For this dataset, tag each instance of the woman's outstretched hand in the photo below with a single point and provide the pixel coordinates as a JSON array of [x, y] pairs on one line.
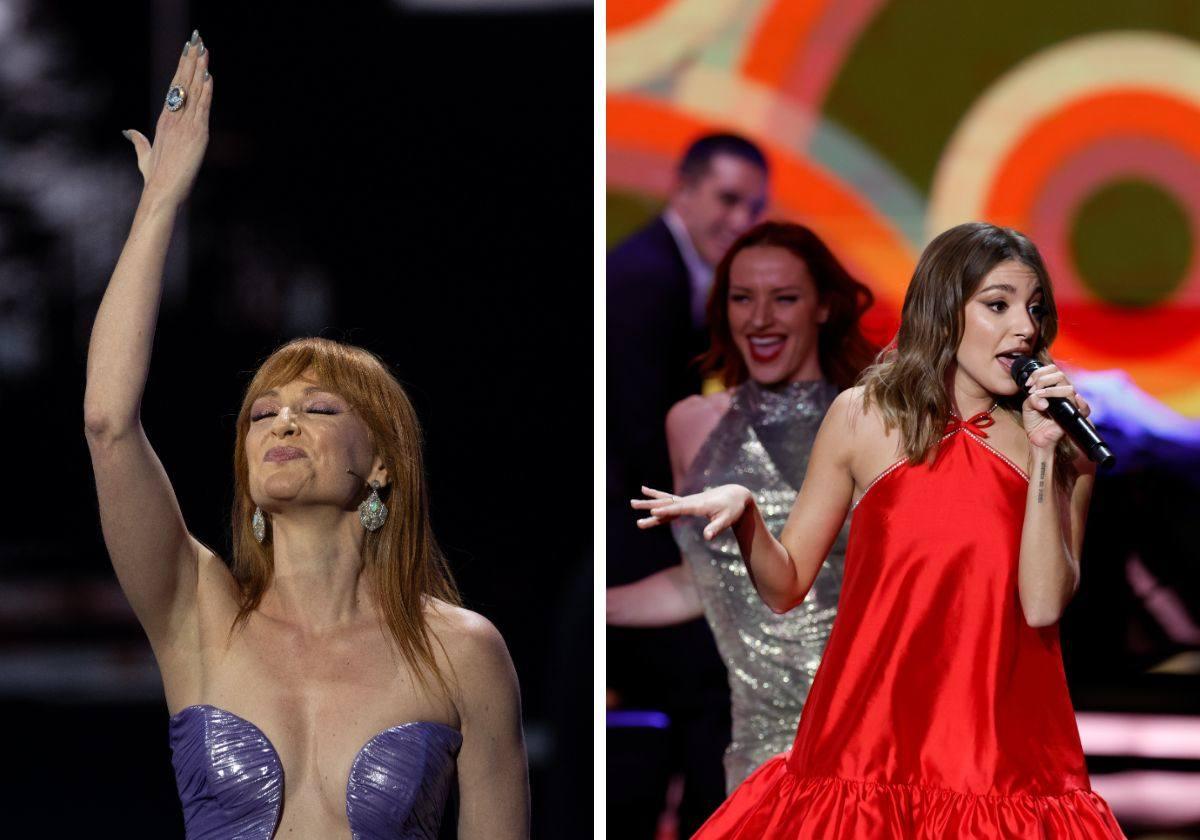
[[170, 164], [721, 506]]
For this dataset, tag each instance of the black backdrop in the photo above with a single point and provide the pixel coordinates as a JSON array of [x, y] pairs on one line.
[[415, 183]]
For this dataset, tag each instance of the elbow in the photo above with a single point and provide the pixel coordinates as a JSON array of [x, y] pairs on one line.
[[97, 429], [1041, 615], [1041, 620], [95, 425], [785, 601], [97, 417], [1043, 605], [99, 424], [780, 607]]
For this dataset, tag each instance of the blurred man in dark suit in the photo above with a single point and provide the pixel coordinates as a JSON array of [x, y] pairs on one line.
[[656, 289]]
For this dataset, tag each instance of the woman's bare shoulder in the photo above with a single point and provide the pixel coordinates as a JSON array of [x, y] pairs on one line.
[[698, 410], [855, 430], [689, 423], [465, 635], [478, 658], [852, 414]]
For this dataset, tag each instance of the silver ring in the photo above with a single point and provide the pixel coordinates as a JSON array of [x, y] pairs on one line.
[[175, 98]]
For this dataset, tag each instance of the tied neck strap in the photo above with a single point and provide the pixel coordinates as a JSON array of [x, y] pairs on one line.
[[974, 424]]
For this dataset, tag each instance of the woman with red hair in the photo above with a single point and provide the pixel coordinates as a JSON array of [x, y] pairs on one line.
[[327, 682], [783, 316]]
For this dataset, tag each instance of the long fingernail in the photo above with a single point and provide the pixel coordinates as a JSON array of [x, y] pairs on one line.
[[206, 75], [195, 37], [125, 133], [187, 45], [201, 50]]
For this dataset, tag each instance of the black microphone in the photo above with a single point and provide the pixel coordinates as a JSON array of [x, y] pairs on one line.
[[1066, 415]]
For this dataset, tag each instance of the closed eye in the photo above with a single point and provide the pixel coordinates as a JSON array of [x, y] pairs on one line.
[[261, 415]]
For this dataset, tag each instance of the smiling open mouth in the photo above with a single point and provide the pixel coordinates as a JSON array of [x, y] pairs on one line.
[[766, 348]]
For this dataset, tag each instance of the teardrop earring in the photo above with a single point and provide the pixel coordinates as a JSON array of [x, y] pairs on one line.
[[258, 523], [372, 513]]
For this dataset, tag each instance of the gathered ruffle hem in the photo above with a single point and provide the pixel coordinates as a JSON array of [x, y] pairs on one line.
[[775, 802]]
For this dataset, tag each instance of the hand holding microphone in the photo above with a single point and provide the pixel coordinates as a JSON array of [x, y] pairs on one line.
[[1067, 415]]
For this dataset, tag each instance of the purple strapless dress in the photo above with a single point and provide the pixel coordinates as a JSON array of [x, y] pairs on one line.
[[230, 779]]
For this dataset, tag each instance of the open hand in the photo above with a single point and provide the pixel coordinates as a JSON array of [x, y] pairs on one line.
[[170, 164], [721, 506]]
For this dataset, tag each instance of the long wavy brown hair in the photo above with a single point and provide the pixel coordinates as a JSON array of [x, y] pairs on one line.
[[405, 564], [908, 381], [842, 350]]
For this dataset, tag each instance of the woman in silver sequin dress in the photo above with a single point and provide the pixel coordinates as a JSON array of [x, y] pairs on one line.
[[784, 315]]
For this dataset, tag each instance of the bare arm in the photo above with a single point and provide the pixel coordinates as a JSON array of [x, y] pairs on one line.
[[152, 553], [664, 598], [493, 776], [669, 596], [783, 570], [1051, 539], [788, 568], [1052, 533]]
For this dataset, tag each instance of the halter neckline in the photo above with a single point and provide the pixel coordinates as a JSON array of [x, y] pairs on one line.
[[975, 424]]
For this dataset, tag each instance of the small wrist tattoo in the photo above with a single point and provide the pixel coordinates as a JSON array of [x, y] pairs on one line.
[[1042, 483]]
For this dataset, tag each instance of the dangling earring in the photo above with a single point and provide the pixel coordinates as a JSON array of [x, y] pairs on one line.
[[258, 523], [372, 513]]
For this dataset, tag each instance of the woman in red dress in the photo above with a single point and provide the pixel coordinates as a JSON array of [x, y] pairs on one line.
[[940, 709]]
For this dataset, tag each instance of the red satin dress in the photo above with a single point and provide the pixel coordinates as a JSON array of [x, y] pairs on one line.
[[937, 711]]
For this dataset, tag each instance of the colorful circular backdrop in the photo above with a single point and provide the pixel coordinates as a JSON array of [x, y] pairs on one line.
[[1093, 149], [1080, 128]]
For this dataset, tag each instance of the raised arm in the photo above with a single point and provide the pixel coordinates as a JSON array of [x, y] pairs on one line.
[[783, 570], [154, 557]]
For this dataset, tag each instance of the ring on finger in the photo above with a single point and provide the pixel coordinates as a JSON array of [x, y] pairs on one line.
[[176, 97]]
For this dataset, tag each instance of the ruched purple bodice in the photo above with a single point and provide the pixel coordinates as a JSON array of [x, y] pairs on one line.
[[230, 779]]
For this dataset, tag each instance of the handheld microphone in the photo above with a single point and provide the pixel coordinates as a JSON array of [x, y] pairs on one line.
[[1067, 415]]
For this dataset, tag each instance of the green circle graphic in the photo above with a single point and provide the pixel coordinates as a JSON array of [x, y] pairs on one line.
[[1132, 243]]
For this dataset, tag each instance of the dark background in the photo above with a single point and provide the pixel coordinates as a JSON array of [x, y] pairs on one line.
[[412, 182]]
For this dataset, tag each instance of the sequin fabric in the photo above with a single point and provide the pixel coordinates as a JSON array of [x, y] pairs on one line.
[[762, 443], [230, 779]]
